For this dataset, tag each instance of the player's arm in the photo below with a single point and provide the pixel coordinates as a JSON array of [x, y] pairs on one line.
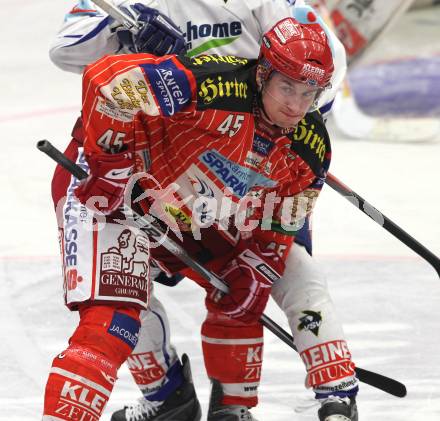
[[158, 35], [88, 34], [118, 93], [259, 258]]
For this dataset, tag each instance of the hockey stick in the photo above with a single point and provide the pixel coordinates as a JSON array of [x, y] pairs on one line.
[[151, 226], [383, 221], [118, 15], [147, 224]]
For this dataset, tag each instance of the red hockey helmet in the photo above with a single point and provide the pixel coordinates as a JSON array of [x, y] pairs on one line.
[[299, 51]]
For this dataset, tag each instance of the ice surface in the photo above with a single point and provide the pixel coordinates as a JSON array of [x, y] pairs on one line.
[[388, 298]]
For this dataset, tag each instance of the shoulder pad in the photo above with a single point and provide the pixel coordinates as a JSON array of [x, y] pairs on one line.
[[311, 141], [223, 82]]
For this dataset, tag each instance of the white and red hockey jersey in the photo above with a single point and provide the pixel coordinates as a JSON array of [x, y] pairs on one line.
[[194, 125]]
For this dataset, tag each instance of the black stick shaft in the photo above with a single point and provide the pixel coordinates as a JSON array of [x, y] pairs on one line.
[[50, 150], [384, 221], [146, 222]]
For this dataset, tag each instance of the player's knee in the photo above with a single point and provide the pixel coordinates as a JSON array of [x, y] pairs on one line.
[[110, 331]]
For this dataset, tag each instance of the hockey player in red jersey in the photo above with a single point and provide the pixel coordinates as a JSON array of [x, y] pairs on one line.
[[210, 130]]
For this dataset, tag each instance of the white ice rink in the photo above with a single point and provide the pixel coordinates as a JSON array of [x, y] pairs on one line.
[[388, 298]]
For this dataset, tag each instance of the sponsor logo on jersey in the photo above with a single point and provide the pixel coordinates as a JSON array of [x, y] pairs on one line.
[[202, 188], [72, 279], [110, 110], [130, 92], [237, 178], [310, 322], [224, 30], [204, 210], [124, 270], [74, 214], [125, 328], [216, 88], [170, 85], [209, 58], [254, 160], [306, 134], [183, 219], [261, 145]]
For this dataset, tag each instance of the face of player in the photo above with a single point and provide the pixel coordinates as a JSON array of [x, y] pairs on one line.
[[286, 101]]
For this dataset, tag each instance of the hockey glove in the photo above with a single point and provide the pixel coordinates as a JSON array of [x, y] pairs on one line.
[[250, 276], [158, 35], [104, 187]]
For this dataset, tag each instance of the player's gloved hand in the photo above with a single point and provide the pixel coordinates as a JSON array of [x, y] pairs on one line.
[[250, 276], [104, 187], [158, 35]]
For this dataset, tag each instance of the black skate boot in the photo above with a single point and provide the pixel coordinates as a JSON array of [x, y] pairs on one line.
[[219, 412], [182, 405], [338, 409]]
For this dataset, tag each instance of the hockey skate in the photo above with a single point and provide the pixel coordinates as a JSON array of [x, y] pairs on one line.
[[338, 409], [219, 412], [182, 405]]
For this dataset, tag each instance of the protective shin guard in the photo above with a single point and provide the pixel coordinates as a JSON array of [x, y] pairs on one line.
[[79, 385], [234, 355], [82, 377]]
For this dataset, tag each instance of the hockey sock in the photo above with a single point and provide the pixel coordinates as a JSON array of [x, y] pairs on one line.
[[82, 377], [79, 385], [233, 355]]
